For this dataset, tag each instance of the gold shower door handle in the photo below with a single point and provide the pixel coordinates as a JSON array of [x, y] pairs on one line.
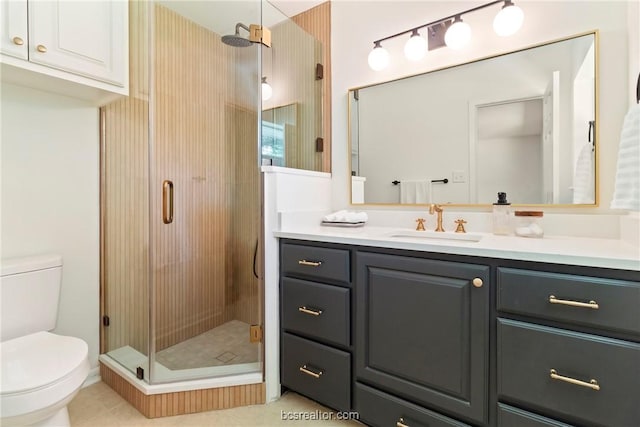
[[167, 201], [591, 304]]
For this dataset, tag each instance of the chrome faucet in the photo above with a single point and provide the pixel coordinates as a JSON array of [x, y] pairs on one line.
[[438, 209]]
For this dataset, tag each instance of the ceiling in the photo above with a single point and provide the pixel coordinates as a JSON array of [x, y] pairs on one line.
[[294, 7]]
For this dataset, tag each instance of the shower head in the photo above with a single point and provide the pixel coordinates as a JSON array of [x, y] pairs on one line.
[[237, 40]]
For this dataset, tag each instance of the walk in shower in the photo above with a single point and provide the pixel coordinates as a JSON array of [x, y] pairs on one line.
[[181, 187], [181, 196]]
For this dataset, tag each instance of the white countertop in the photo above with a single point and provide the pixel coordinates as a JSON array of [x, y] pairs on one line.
[[592, 252]]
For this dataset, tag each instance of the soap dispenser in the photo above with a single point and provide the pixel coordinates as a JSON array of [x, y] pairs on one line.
[[502, 215]]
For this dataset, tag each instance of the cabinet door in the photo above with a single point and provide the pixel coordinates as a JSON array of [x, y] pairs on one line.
[[87, 38], [13, 28], [422, 331]]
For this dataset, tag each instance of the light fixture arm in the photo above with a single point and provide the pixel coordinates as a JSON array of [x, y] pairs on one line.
[[439, 21]]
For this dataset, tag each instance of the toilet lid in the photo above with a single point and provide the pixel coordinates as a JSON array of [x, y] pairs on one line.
[[39, 359]]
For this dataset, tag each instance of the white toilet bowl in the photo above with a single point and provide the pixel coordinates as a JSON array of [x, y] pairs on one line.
[[41, 373]]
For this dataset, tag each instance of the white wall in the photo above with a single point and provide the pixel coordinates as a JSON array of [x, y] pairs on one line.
[[50, 197], [543, 21]]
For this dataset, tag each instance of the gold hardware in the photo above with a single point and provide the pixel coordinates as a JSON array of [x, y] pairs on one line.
[[592, 384], [591, 304], [400, 423], [420, 226], [167, 202], [310, 311], [255, 333], [17, 40], [310, 263], [477, 282], [437, 208], [460, 227], [260, 34], [41, 48], [306, 370]]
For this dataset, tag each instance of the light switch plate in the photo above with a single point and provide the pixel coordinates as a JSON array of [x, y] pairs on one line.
[[459, 176]]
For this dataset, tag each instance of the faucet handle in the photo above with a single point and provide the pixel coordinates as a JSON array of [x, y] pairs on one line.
[[460, 227], [420, 226]]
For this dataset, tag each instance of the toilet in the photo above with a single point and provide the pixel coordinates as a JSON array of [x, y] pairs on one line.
[[41, 372]]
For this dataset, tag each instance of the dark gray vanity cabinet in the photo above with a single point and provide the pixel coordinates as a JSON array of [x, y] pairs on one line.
[[315, 307], [555, 353], [409, 338], [422, 331]]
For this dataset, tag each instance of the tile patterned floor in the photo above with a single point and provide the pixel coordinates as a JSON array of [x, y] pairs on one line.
[[226, 344], [100, 406]]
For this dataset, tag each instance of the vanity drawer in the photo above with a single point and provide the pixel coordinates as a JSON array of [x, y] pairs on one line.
[[528, 353], [317, 310], [380, 409], [316, 263], [317, 371], [508, 416], [530, 293]]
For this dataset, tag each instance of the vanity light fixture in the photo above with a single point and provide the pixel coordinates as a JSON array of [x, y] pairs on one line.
[[267, 90], [450, 31], [416, 47], [378, 58]]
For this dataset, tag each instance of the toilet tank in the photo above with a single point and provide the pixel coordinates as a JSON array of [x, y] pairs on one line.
[[29, 294]]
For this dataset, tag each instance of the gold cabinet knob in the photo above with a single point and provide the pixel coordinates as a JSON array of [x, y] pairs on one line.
[[18, 40], [477, 282], [41, 48]]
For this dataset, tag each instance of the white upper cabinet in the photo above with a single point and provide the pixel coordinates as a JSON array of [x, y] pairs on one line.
[[82, 37], [76, 47], [13, 28]]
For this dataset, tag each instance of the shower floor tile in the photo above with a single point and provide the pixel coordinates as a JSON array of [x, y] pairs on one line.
[[225, 345]]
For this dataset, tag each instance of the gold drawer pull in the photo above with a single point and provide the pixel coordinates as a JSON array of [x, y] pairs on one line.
[[310, 263], [310, 311], [593, 384], [306, 370], [41, 48], [17, 41], [401, 423], [591, 304]]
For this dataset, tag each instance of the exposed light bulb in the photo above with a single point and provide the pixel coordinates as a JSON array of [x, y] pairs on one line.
[[458, 35], [416, 47], [267, 90], [378, 58], [508, 20]]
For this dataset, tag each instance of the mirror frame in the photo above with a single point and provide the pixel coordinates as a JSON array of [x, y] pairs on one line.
[[596, 133]]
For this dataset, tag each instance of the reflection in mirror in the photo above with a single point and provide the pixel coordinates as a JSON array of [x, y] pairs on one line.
[[522, 123], [280, 135], [292, 116]]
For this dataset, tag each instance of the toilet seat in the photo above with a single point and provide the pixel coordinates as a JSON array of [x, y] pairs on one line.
[[39, 371]]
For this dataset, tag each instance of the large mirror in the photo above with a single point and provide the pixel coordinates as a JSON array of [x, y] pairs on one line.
[[523, 123]]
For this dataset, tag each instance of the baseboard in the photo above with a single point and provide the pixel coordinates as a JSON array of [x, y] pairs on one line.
[[93, 377]]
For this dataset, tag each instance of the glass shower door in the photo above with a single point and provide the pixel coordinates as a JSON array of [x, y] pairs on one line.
[[206, 191]]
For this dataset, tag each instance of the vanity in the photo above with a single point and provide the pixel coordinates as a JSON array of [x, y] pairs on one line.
[[495, 332]]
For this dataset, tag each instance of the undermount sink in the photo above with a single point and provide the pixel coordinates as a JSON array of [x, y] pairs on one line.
[[432, 235]]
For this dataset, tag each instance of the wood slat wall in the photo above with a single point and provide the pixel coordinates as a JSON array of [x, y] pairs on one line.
[[186, 402], [317, 22]]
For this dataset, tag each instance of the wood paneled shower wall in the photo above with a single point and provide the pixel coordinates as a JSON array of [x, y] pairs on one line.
[[205, 141]]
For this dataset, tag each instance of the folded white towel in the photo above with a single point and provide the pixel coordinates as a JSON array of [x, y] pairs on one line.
[[415, 191], [627, 190], [346, 216]]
